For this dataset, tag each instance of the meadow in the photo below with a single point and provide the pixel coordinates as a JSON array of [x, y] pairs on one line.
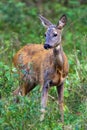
[[20, 25]]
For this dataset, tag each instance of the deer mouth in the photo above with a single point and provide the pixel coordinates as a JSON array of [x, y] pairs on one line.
[[47, 46]]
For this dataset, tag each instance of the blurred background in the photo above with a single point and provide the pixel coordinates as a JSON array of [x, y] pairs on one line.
[[20, 25]]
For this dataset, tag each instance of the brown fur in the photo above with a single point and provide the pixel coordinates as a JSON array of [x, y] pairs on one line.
[[48, 68], [40, 60]]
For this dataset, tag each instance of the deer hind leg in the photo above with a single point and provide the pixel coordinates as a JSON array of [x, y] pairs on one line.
[[21, 90], [24, 89], [27, 87], [60, 90], [17, 91]]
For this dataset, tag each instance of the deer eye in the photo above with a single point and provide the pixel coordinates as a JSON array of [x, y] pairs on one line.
[[55, 34], [45, 34]]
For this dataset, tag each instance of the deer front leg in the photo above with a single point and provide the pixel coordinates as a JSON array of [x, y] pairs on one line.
[[44, 99], [60, 90]]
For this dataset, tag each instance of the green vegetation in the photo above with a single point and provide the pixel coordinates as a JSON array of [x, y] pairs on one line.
[[19, 25]]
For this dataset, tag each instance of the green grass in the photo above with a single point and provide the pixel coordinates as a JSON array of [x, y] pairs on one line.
[[19, 25]]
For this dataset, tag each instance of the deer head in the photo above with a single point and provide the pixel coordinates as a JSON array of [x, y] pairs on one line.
[[53, 33]]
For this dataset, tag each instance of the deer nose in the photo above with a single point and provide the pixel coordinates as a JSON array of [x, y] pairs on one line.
[[47, 46]]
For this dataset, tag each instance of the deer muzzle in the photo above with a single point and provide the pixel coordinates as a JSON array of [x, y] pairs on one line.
[[47, 46]]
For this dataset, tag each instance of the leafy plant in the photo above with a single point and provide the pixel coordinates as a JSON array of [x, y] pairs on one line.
[[19, 25]]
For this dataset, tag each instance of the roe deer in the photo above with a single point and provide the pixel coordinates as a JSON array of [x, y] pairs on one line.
[[47, 66]]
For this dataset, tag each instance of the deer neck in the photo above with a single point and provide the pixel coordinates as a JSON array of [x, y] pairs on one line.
[[58, 56]]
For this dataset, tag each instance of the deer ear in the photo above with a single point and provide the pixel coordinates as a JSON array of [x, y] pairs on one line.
[[62, 22], [44, 21]]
